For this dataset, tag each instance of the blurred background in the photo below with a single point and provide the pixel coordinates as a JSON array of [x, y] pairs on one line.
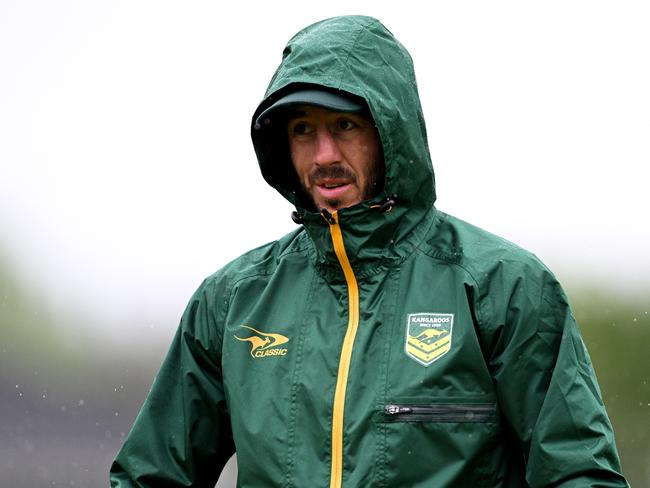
[[127, 176]]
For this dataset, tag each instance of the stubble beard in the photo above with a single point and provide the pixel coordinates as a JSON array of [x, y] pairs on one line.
[[371, 188]]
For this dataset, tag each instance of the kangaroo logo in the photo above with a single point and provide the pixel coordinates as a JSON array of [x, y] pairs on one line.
[[428, 336], [264, 344]]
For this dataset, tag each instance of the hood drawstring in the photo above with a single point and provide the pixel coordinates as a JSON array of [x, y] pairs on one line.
[[384, 207], [387, 205], [297, 218]]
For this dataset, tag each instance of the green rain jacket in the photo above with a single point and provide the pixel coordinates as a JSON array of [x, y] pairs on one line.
[[386, 345]]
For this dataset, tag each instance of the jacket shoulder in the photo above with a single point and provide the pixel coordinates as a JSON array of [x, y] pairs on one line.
[[264, 259], [212, 297], [478, 251], [506, 280]]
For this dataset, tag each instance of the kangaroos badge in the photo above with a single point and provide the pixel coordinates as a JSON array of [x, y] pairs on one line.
[[428, 336]]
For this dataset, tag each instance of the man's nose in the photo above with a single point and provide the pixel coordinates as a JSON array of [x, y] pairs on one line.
[[327, 149]]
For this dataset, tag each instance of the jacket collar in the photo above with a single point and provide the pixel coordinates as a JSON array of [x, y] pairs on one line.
[[373, 239]]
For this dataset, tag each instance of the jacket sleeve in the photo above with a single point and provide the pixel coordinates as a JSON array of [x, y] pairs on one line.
[[182, 435], [547, 388]]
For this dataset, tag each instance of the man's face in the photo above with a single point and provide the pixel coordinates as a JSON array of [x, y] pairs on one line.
[[337, 156]]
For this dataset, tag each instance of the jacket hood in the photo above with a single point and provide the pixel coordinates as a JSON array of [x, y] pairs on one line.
[[358, 55]]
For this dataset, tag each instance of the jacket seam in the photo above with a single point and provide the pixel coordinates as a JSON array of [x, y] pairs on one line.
[[452, 259], [293, 408], [444, 257], [227, 299], [219, 317], [382, 433], [247, 277], [299, 245], [362, 30]]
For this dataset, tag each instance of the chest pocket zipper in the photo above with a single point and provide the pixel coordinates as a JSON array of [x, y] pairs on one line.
[[441, 412]]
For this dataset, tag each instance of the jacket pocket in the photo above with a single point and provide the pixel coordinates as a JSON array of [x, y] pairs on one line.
[[441, 412], [430, 443]]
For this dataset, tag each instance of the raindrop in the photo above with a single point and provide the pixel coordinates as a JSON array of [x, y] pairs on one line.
[[82, 402]]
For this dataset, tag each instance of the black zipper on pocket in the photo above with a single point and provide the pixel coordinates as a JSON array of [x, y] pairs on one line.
[[441, 412]]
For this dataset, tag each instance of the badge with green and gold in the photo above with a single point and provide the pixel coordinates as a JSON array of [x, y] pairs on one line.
[[428, 336]]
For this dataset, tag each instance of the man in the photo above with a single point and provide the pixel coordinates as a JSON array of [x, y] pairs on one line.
[[383, 343]]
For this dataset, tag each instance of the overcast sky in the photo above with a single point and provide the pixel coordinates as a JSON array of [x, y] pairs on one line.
[[127, 172]]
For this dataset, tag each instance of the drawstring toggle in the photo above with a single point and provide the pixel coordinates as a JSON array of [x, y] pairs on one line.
[[387, 205]]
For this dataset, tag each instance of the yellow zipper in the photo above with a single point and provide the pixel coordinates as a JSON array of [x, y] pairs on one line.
[[346, 353]]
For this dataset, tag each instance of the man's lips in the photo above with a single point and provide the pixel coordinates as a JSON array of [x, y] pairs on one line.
[[331, 183], [332, 187]]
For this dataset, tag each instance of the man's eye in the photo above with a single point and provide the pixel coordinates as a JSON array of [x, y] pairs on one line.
[[300, 128], [345, 124]]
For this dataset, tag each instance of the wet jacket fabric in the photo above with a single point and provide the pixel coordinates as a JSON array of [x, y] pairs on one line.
[[386, 345]]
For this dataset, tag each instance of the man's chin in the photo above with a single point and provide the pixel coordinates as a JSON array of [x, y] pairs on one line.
[[330, 206]]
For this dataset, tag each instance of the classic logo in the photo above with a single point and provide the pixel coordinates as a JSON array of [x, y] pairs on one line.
[[264, 344], [428, 336]]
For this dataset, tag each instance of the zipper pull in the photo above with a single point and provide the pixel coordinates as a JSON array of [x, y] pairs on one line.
[[396, 410], [329, 218]]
